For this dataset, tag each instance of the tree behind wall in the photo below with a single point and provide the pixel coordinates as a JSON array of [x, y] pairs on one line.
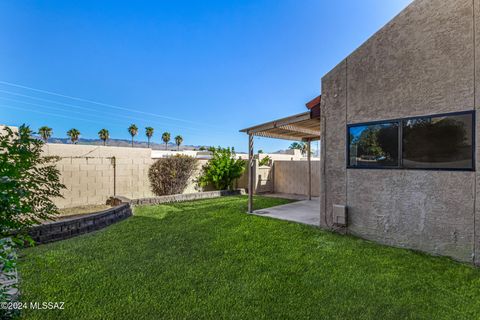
[[74, 135], [166, 139], [178, 141], [222, 169], [302, 146], [45, 132], [149, 133], [133, 130], [265, 161], [104, 135]]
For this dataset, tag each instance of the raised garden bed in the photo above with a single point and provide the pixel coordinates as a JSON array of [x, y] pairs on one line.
[[67, 228]]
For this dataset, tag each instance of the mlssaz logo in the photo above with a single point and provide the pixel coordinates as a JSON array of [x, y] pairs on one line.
[[32, 305], [47, 305]]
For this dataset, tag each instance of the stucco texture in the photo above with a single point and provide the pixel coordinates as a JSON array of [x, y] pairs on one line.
[[420, 63], [333, 190], [426, 210], [477, 105]]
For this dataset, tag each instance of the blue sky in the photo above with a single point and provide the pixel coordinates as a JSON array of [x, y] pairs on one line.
[[202, 69]]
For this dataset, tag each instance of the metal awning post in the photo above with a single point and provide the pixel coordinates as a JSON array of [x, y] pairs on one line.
[[251, 163], [309, 157]]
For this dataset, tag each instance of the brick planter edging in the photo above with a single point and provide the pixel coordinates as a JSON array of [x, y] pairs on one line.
[[183, 197], [68, 228], [60, 230]]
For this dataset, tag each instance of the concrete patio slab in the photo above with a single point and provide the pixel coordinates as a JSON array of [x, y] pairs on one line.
[[285, 196], [306, 212]]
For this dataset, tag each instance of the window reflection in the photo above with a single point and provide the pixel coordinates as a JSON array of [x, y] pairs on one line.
[[438, 142], [374, 145]]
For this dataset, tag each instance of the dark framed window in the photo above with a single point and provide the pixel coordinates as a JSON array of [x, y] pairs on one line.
[[439, 142], [374, 145]]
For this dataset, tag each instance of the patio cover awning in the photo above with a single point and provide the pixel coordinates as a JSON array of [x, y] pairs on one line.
[[300, 127]]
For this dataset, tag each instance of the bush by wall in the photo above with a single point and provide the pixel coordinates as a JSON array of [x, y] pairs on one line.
[[170, 175], [222, 169], [266, 161]]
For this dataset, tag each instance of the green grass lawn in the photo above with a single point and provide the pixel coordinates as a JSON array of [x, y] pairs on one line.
[[208, 259]]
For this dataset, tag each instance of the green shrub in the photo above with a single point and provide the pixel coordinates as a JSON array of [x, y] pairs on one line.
[[222, 169], [170, 175], [28, 182], [265, 161]]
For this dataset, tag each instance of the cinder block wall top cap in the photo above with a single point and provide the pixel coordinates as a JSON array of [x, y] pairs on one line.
[[75, 150]]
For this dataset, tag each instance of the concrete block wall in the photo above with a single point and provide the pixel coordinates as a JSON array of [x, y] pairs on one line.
[[89, 176], [192, 186], [2, 128], [292, 177], [88, 173], [425, 61], [87, 183]]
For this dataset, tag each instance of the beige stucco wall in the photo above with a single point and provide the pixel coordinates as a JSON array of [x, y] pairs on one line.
[[292, 177], [420, 63]]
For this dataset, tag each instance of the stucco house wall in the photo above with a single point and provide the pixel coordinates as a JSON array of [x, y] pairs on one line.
[[424, 62], [477, 105]]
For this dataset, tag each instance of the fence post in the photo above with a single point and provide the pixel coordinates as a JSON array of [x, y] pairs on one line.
[[114, 163], [251, 163]]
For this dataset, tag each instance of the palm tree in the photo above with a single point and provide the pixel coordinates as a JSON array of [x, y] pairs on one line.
[[302, 146], [74, 134], [104, 135], [166, 139], [133, 130], [45, 132], [149, 134], [178, 141]]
